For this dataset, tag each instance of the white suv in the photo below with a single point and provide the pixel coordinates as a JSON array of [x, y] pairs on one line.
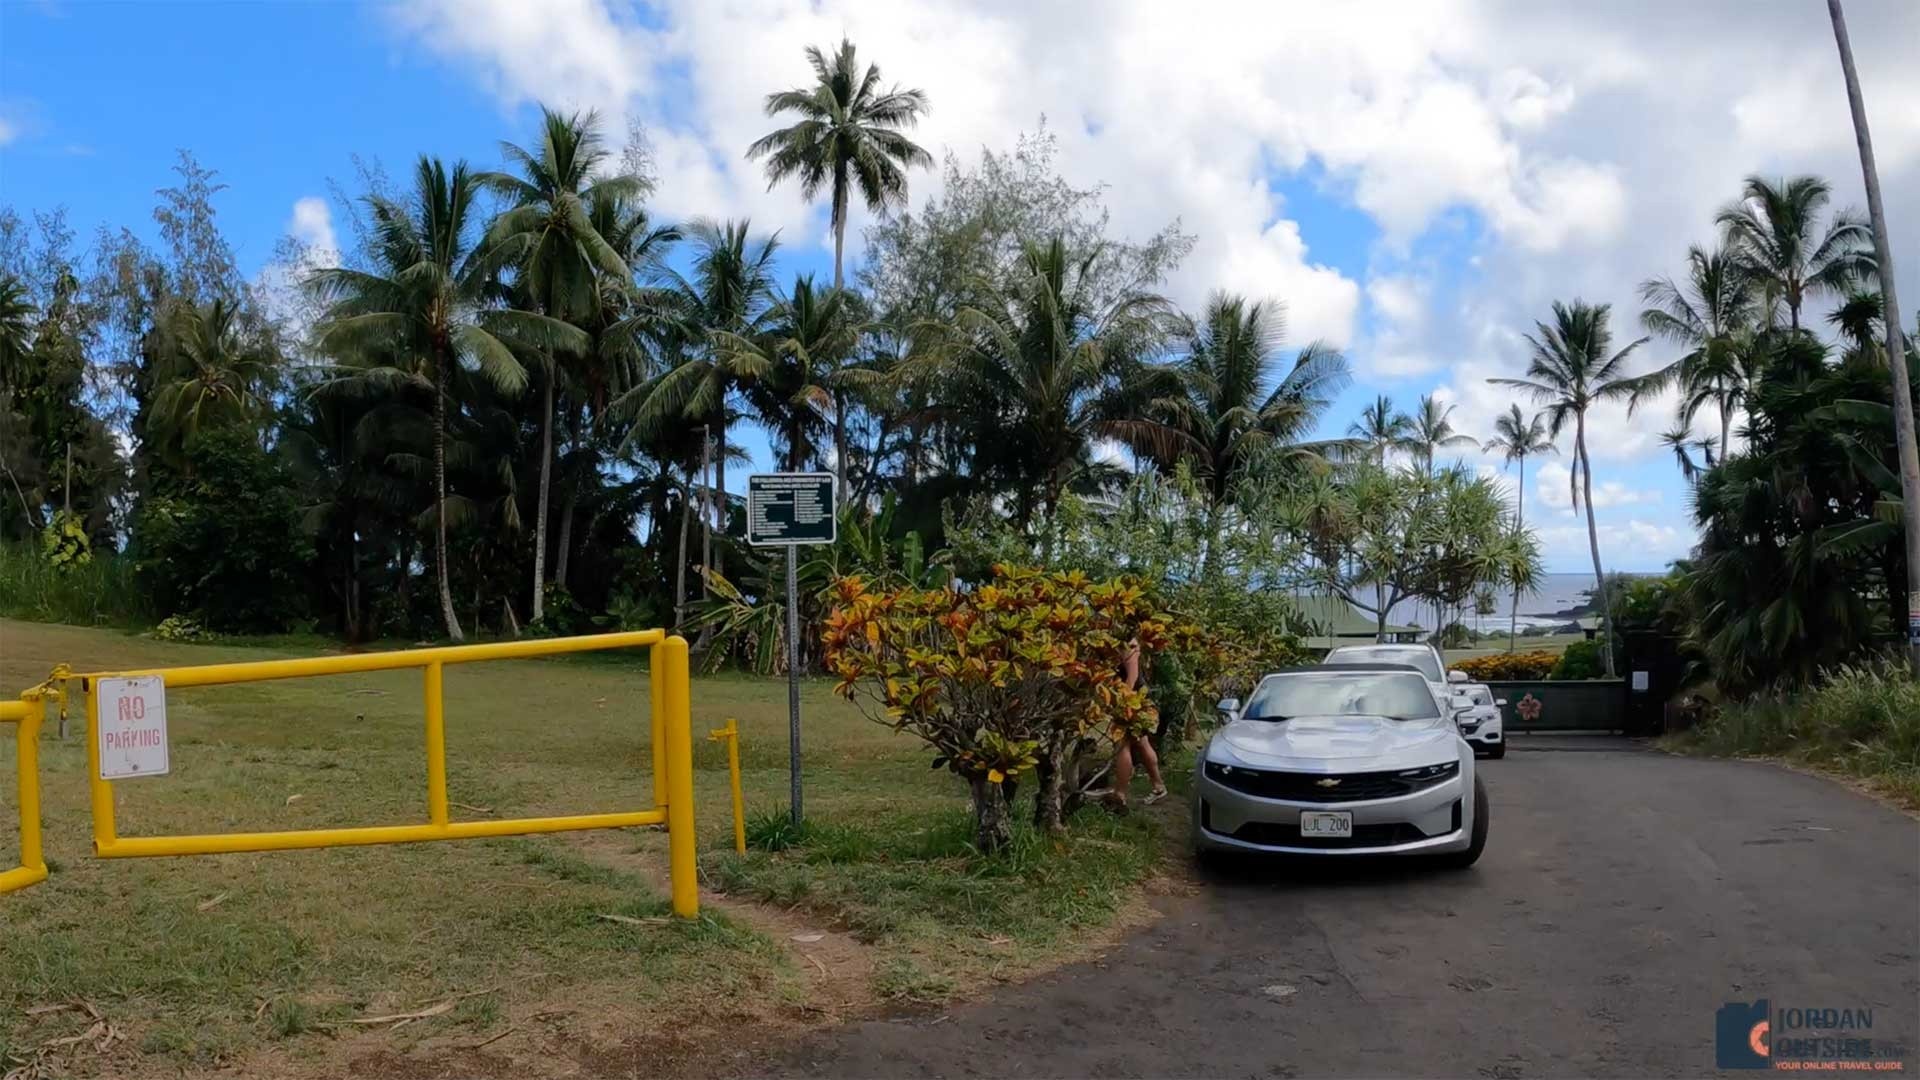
[[1479, 721], [1426, 658]]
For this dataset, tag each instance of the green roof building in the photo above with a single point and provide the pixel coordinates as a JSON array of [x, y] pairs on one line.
[[1335, 623]]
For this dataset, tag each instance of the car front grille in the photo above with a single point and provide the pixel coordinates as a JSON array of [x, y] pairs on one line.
[[1313, 787], [1277, 835]]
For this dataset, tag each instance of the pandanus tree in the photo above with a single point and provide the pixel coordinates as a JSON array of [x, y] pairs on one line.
[[419, 313], [1516, 438], [560, 261], [1573, 367]]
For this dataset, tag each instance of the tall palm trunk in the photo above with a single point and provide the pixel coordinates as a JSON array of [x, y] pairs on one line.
[[839, 449], [546, 487], [564, 547], [839, 223], [1593, 541], [680, 563], [1906, 443], [1519, 528], [719, 494], [572, 505], [1726, 425], [440, 497]]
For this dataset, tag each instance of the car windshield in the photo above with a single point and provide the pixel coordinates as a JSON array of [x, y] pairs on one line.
[[1396, 695], [1479, 695], [1421, 658]]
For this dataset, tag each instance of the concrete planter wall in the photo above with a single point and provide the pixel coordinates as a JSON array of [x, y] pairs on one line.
[[1583, 705]]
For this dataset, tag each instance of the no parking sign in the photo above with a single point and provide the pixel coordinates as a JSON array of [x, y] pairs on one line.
[[131, 726]]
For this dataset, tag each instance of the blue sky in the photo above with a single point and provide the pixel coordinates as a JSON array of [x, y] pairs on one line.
[[1417, 187]]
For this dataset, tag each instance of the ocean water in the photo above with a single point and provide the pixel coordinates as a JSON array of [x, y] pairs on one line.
[[1556, 593]]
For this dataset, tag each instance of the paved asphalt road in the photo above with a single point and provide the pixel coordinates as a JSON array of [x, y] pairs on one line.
[[1624, 896]]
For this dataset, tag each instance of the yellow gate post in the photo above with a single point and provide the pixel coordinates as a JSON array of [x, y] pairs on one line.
[[27, 716], [731, 736], [679, 743]]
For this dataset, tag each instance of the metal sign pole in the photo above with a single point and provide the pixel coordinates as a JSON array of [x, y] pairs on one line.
[[790, 509], [793, 686]]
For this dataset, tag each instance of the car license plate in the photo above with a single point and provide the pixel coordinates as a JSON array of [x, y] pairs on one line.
[[1326, 823]]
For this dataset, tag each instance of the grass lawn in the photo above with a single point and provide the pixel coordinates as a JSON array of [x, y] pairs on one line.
[[1553, 643], [262, 960]]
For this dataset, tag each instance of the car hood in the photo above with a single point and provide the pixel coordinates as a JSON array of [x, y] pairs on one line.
[[1335, 743]]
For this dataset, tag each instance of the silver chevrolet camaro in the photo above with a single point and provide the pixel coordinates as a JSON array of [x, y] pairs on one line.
[[1339, 759]]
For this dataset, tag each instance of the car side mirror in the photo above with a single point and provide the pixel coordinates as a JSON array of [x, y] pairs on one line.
[[1456, 676], [1499, 701], [1229, 706]]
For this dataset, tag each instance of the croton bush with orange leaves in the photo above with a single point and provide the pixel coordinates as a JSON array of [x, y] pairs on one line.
[[1003, 680]]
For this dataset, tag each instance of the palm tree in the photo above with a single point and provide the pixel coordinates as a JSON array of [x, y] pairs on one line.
[[809, 334], [727, 298], [1517, 437], [1381, 428], [1047, 372], [1906, 439], [1858, 321], [218, 373], [847, 136], [1433, 430], [1774, 232], [16, 309], [549, 239], [1709, 316], [418, 315], [1573, 367], [1680, 439], [626, 320], [1228, 406]]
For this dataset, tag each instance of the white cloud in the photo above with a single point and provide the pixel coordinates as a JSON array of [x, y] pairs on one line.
[[1588, 144], [1551, 488], [1633, 544], [312, 226], [9, 131]]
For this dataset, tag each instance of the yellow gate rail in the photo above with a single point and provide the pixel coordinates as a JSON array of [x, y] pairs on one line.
[[670, 705], [27, 715]]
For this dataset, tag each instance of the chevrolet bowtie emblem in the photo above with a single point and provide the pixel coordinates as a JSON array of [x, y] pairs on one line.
[[1331, 781]]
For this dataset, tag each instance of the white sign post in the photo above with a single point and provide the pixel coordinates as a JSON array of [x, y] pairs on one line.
[[131, 727]]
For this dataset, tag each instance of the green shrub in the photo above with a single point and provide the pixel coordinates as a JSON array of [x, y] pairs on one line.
[[180, 628], [1863, 719], [1581, 660], [64, 542], [97, 592], [1508, 666], [223, 542]]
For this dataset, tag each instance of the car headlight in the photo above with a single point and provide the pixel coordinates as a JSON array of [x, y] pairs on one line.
[[1431, 772]]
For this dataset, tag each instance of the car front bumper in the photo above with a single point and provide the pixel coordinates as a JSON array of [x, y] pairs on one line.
[[1485, 733], [1433, 820]]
